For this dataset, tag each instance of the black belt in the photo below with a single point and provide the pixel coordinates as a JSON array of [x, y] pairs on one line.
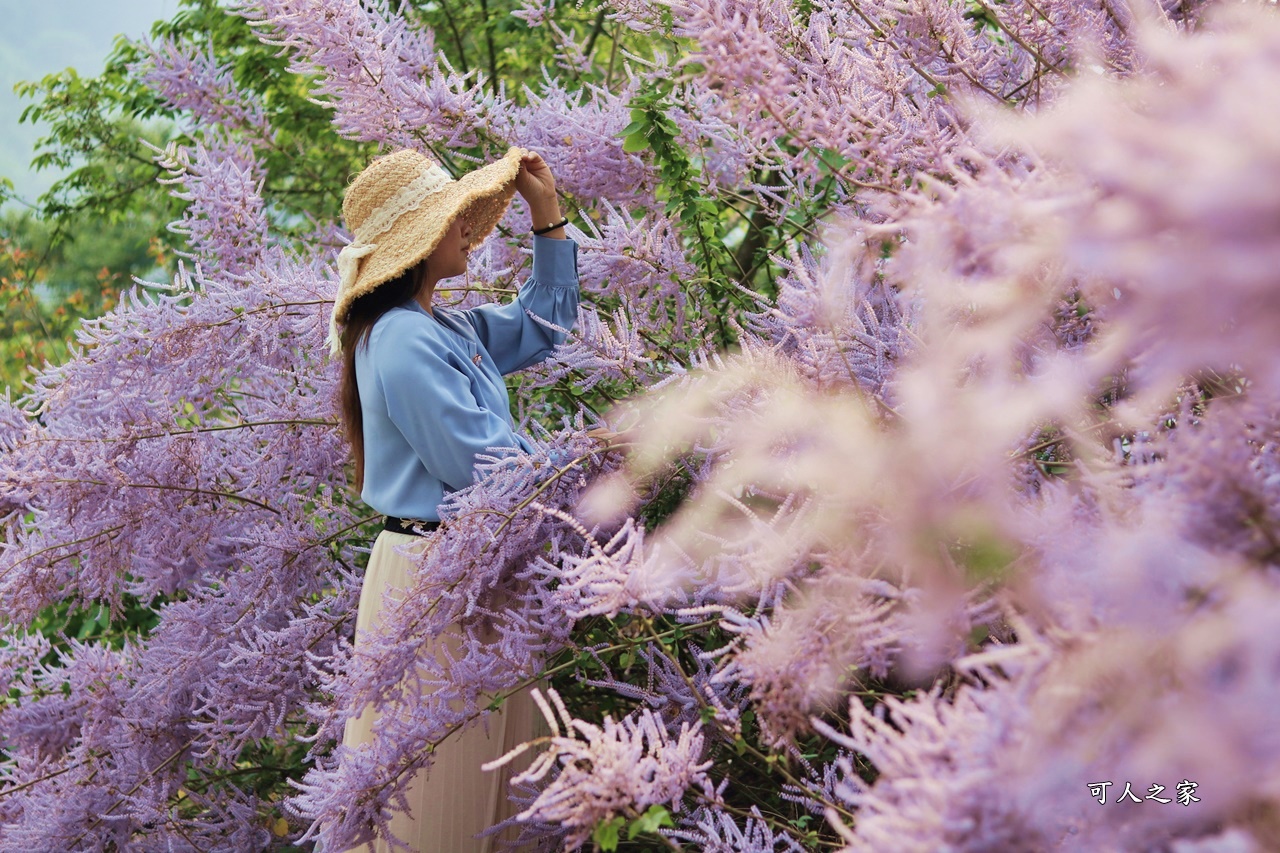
[[409, 526]]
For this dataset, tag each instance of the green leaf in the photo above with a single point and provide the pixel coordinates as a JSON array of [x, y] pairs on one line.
[[633, 128], [94, 621], [635, 142], [606, 833], [653, 818]]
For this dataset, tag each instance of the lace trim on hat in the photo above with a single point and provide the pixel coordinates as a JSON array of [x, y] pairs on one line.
[[409, 198]]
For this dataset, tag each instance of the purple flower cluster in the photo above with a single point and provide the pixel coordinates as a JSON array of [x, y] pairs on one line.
[[982, 507], [601, 771], [380, 75]]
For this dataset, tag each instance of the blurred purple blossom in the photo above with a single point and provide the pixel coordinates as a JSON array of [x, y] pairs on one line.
[[614, 768]]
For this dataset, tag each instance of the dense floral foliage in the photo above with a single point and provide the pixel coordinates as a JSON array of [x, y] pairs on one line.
[[944, 513]]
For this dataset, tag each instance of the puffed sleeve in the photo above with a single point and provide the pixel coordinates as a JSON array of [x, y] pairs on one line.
[[429, 399], [512, 337]]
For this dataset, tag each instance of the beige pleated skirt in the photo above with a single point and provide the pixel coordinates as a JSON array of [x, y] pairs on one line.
[[453, 801]]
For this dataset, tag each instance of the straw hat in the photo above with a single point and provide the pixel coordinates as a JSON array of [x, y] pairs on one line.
[[400, 207]]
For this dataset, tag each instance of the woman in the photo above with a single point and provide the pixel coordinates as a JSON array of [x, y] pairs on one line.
[[422, 395]]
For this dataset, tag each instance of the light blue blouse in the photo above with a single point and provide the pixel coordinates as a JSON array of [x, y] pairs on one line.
[[431, 388]]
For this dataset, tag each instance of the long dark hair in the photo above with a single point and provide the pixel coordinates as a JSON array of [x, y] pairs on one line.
[[365, 311]]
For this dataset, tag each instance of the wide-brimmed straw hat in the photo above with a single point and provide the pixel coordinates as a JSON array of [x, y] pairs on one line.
[[400, 207]]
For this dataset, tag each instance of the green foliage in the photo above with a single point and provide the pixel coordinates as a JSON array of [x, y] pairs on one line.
[[982, 16], [702, 217], [731, 236], [54, 273], [484, 37], [654, 818], [95, 622], [608, 833], [95, 127]]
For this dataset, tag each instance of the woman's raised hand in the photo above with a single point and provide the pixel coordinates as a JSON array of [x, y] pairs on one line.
[[537, 186], [535, 180]]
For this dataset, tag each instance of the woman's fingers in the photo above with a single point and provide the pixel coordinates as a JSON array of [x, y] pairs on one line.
[[532, 164], [535, 175]]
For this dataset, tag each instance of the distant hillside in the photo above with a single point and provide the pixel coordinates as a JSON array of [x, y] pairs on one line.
[[52, 36]]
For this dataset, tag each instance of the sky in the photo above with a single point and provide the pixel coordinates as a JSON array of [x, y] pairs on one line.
[[41, 37]]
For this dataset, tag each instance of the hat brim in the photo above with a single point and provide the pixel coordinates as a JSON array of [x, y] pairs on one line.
[[482, 195]]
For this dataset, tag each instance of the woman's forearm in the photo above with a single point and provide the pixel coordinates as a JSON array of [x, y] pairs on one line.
[[543, 212], [537, 186]]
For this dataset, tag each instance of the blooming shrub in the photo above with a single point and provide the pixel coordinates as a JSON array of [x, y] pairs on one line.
[[939, 340]]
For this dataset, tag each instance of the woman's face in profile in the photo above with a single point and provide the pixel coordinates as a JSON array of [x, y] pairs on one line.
[[450, 256]]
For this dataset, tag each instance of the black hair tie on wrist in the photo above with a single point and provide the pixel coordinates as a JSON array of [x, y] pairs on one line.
[[540, 231]]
